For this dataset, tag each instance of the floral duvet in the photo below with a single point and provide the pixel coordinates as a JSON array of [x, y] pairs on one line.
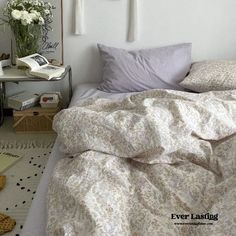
[[157, 163]]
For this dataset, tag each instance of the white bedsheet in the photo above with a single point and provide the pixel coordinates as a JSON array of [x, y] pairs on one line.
[[86, 91], [35, 224]]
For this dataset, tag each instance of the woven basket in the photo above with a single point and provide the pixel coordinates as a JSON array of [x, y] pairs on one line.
[[33, 120]]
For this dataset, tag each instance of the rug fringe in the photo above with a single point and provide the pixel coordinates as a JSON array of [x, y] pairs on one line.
[[25, 145]]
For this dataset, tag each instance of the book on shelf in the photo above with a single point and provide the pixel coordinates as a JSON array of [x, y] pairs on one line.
[[40, 67], [23, 100]]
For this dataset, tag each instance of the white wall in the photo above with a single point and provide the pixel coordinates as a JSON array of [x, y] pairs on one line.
[[209, 24]]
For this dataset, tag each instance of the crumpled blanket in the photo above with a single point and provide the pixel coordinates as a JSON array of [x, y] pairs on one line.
[[159, 162]]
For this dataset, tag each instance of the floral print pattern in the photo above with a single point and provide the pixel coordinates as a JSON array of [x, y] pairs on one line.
[[135, 162], [211, 75]]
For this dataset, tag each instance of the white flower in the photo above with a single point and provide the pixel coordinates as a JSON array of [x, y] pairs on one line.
[[33, 16], [36, 13], [47, 12], [26, 18], [41, 20], [29, 11], [24, 14], [16, 15], [36, 3], [41, 3]]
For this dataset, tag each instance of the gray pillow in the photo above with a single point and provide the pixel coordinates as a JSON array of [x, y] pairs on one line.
[[210, 76], [133, 71]]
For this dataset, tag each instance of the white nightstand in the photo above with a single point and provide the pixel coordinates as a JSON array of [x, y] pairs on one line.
[[15, 75]]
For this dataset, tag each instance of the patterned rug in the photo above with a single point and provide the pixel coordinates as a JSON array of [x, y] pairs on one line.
[[22, 179]]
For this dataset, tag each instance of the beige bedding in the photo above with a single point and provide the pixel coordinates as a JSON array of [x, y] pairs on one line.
[[159, 162]]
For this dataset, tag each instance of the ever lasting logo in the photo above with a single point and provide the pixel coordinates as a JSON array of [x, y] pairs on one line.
[[194, 219], [48, 46]]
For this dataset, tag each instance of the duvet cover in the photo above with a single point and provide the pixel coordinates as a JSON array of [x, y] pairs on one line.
[[157, 163]]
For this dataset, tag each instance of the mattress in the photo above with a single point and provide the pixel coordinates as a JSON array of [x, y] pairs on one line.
[[35, 223]]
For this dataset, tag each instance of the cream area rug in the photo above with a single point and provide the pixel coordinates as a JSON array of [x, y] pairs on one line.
[[22, 179]]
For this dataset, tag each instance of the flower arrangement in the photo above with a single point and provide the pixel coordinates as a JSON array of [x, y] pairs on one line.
[[27, 19], [27, 12]]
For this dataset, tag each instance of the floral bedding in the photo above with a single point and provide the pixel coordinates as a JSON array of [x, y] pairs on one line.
[[159, 162]]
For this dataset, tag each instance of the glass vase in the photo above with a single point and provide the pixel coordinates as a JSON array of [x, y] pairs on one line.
[[27, 38]]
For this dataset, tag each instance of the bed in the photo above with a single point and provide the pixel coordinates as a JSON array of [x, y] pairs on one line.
[[36, 220], [158, 161]]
